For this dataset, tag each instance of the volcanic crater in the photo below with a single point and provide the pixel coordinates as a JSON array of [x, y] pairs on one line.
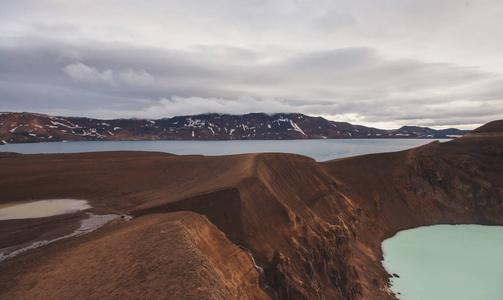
[[204, 227]]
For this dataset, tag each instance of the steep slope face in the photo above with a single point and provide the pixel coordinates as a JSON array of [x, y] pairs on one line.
[[288, 214], [302, 251], [169, 256], [457, 179], [29, 127], [457, 182]]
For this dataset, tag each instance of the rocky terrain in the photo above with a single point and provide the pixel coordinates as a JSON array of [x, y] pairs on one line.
[[31, 127], [254, 226]]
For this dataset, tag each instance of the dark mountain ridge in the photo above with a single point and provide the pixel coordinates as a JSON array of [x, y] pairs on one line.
[[33, 128]]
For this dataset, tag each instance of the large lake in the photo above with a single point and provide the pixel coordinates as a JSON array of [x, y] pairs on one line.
[[462, 262], [321, 150]]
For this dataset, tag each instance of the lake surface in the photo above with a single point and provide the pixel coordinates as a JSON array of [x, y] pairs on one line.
[[321, 150], [446, 262]]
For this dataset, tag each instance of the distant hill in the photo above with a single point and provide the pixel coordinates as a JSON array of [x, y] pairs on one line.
[[33, 127]]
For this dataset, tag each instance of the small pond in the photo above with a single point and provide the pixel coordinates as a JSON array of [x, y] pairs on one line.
[[42, 208], [47, 208]]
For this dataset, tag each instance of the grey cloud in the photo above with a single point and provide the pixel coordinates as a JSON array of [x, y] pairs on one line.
[[85, 73], [336, 60], [121, 80], [194, 105], [55, 29], [333, 20], [82, 72], [69, 55], [136, 77]]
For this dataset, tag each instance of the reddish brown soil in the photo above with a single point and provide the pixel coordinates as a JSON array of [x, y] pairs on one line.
[[20, 232], [169, 256], [315, 228]]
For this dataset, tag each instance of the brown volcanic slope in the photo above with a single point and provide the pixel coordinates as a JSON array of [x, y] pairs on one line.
[[138, 260], [315, 228]]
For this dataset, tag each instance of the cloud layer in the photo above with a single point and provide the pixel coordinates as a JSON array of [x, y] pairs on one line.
[[380, 63]]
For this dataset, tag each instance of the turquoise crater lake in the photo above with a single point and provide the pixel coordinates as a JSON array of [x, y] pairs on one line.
[[446, 262]]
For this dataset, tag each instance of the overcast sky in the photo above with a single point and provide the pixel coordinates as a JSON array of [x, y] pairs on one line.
[[382, 63]]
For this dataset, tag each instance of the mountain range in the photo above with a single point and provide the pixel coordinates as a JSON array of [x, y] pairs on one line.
[[34, 127]]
